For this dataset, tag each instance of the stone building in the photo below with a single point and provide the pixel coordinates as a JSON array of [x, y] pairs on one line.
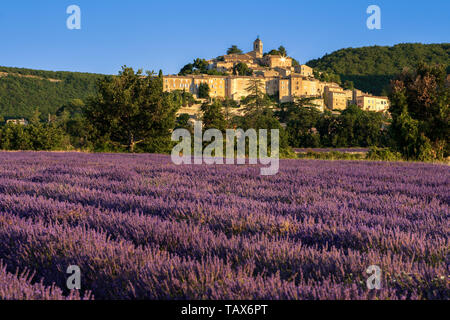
[[337, 98], [22, 121], [372, 103], [257, 49], [273, 61], [278, 77], [191, 83], [304, 70]]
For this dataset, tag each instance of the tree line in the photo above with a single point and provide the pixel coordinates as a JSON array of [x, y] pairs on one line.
[[131, 112]]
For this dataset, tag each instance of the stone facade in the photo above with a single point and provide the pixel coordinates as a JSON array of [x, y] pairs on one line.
[[258, 48], [304, 70], [337, 99], [273, 61], [190, 83], [372, 103]]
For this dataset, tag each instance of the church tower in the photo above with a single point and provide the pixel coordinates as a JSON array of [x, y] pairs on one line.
[[258, 48]]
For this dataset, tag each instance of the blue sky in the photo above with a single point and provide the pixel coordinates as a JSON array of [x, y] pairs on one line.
[[166, 35]]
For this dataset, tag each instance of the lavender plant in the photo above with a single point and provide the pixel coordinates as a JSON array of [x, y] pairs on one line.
[[140, 227]]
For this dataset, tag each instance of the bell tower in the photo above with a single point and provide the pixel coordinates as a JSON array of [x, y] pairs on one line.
[[258, 48]]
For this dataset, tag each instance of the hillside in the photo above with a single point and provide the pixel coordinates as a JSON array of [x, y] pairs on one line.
[[372, 68], [22, 91]]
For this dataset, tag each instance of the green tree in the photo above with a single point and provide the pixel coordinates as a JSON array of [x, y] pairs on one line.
[[20, 139], [327, 127], [273, 52], [71, 119], [234, 50], [132, 109], [301, 117], [348, 85], [288, 110], [266, 120], [353, 127], [257, 101], [358, 128], [228, 106], [280, 52], [213, 116], [36, 117], [258, 114], [36, 136], [187, 69], [182, 122], [301, 128], [242, 69], [183, 98], [47, 137], [203, 90], [199, 66], [420, 102]]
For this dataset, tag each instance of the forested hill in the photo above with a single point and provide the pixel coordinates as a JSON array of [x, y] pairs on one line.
[[22, 91], [372, 68]]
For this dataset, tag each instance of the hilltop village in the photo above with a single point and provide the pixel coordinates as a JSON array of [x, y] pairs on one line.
[[280, 78]]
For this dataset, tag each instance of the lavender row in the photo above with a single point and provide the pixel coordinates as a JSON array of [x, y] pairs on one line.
[[316, 224], [20, 286], [119, 270], [395, 211], [302, 240]]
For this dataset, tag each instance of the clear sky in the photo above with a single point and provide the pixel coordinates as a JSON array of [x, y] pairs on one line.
[[166, 35]]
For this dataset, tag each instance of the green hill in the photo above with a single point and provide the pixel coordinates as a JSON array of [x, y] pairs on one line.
[[22, 91], [372, 68]]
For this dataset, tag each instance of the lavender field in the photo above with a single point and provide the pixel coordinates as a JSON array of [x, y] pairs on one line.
[[140, 227]]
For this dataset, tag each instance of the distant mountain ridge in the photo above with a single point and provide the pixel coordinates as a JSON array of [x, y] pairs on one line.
[[372, 68]]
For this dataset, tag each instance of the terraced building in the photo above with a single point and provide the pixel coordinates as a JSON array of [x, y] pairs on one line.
[[278, 76]]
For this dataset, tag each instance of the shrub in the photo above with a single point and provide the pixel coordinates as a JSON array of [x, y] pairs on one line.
[[383, 154], [333, 155]]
